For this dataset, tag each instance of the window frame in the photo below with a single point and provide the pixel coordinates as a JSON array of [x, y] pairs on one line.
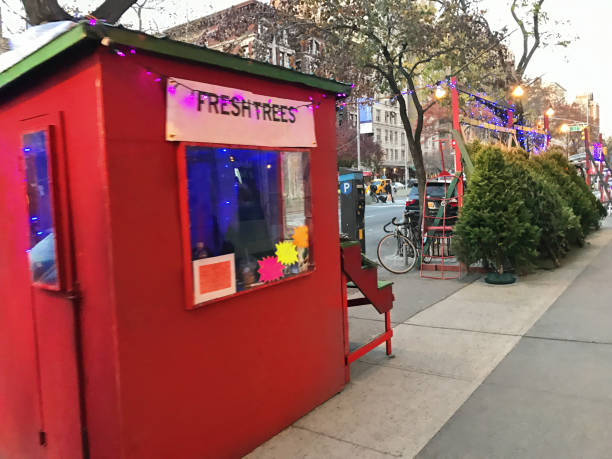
[[52, 126], [183, 196]]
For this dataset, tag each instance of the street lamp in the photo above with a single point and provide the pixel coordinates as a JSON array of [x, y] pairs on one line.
[[440, 93], [565, 128], [550, 112], [518, 91]]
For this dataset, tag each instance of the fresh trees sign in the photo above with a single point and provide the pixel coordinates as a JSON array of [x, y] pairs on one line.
[[200, 112]]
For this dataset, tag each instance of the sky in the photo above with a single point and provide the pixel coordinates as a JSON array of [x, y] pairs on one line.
[[581, 67]]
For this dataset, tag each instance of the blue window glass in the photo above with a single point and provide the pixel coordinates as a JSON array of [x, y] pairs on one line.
[[244, 205], [41, 250]]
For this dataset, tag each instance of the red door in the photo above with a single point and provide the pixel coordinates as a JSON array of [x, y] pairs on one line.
[[54, 297]]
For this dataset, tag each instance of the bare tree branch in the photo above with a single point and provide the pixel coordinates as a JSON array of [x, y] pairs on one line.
[[536, 36], [528, 51], [111, 10]]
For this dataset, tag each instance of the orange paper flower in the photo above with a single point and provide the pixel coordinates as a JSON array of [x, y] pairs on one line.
[[300, 236]]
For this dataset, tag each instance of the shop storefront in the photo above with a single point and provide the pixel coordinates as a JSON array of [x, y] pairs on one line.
[[171, 274]]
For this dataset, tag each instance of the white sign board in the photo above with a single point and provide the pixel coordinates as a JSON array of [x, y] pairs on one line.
[[200, 112]]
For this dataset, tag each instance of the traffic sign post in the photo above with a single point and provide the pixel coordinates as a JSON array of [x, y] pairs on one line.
[[587, 155]]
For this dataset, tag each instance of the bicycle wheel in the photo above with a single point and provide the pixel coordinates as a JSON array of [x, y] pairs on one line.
[[397, 253]]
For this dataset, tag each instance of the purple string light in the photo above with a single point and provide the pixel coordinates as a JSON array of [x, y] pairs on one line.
[[172, 89]]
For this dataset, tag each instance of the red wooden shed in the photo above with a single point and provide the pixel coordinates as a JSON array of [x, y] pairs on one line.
[[170, 266]]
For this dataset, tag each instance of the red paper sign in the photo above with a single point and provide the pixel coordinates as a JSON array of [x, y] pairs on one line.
[[217, 276], [213, 277]]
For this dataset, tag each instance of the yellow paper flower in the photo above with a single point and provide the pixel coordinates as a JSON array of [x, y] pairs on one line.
[[286, 252], [300, 236]]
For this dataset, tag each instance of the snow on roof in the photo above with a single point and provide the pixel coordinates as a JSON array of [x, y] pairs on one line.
[[40, 44], [31, 40]]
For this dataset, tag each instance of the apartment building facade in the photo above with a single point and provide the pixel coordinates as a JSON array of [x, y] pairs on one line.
[[590, 108], [388, 131], [251, 29]]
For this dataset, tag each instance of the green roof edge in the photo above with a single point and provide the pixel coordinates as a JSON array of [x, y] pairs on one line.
[[168, 48], [41, 55], [203, 55]]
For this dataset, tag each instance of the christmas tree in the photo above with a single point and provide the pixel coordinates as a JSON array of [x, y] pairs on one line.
[[495, 223]]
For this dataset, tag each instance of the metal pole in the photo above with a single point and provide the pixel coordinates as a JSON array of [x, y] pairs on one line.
[[406, 174], [457, 127], [406, 169], [547, 129], [358, 138], [587, 153]]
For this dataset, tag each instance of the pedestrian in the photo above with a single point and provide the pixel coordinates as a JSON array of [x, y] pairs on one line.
[[389, 192], [373, 192]]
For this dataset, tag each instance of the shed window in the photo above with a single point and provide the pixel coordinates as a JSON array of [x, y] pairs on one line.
[[249, 218], [41, 250]]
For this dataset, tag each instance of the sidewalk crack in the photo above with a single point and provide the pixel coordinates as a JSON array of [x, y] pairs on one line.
[[416, 370], [347, 441], [439, 327], [568, 340]]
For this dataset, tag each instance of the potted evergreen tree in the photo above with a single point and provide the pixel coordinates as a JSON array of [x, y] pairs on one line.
[[495, 224]]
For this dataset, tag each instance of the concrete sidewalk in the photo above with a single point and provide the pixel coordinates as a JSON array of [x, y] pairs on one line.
[[438, 397]]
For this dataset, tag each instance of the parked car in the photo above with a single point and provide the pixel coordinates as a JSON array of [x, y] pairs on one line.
[[412, 201], [436, 191]]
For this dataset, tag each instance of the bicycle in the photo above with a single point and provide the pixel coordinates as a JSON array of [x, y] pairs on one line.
[[412, 220], [396, 252]]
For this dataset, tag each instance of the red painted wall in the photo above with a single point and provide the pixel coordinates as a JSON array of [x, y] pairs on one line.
[[219, 380]]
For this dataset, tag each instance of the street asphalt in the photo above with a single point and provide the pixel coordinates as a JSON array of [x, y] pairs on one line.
[[479, 371], [377, 216]]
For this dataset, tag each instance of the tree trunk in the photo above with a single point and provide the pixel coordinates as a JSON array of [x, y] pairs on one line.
[[111, 10], [419, 166], [39, 11], [415, 147]]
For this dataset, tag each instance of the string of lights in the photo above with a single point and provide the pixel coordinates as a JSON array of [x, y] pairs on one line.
[[393, 97], [490, 114], [172, 83], [493, 116]]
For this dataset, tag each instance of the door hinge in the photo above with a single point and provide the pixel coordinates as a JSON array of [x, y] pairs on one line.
[[42, 438]]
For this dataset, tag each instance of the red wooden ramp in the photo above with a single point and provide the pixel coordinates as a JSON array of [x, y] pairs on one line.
[[361, 273]]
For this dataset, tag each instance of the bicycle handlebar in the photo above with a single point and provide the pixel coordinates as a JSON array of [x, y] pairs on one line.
[[393, 222]]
